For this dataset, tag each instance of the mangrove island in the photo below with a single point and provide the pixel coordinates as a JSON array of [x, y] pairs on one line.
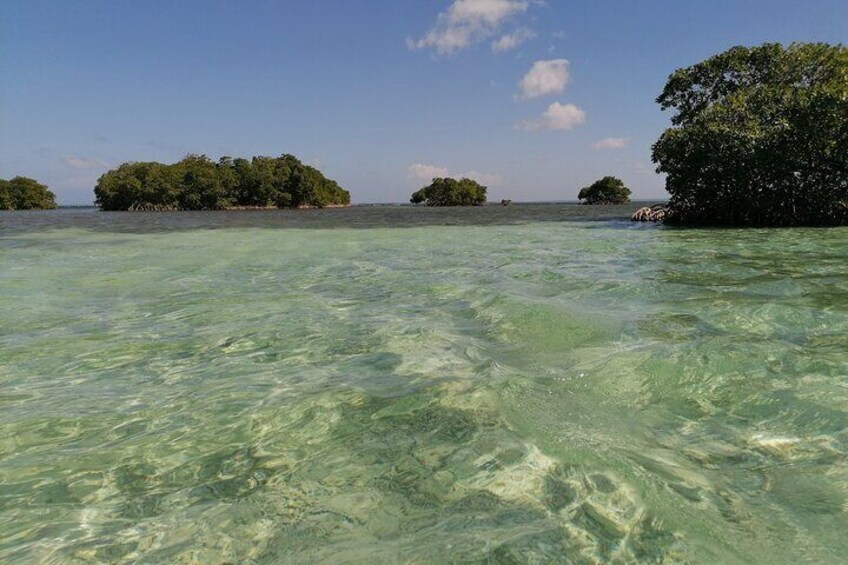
[[451, 192], [198, 183], [608, 190], [24, 193]]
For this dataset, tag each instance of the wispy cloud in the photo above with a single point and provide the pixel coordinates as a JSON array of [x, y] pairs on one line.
[[85, 179], [642, 169], [422, 172], [556, 117], [611, 143], [467, 22], [425, 173], [510, 41], [75, 162], [488, 179], [544, 78]]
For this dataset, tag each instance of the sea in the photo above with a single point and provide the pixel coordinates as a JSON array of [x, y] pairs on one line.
[[534, 383]]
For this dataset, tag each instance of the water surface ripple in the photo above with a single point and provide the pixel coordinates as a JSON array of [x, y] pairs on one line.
[[397, 384]]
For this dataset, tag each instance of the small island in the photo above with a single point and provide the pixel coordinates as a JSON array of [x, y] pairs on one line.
[[759, 138], [608, 190], [451, 192], [23, 193], [198, 183]]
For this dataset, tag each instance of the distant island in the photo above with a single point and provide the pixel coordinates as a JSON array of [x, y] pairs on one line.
[[608, 190], [198, 183], [451, 192], [23, 193]]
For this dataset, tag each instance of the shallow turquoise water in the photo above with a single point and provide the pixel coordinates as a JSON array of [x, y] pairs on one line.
[[518, 386]]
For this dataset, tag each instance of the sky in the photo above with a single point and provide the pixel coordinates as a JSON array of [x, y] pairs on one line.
[[535, 99]]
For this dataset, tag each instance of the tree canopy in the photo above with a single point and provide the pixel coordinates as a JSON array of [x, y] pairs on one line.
[[759, 137], [23, 193], [451, 192], [198, 183], [608, 190]]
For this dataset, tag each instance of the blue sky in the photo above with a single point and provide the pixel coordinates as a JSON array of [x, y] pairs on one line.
[[535, 99]]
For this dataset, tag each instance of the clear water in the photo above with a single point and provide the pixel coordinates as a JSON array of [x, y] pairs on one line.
[[497, 385]]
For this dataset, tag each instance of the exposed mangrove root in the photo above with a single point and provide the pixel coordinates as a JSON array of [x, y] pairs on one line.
[[148, 207], [655, 213]]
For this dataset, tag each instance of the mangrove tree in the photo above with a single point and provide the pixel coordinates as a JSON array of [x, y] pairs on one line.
[[608, 190], [451, 192], [759, 137], [23, 193]]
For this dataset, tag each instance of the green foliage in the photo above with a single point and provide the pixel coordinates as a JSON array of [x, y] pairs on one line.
[[760, 137], [451, 192], [608, 190], [137, 185], [22, 193], [5, 197], [198, 183]]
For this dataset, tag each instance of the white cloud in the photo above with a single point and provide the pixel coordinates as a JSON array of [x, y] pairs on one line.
[[423, 172], [611, 143], [512, 40], [426, 173], [75, 162], [492, 12], [545, 77], [556, 117], [467, 22], [488, 179]]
